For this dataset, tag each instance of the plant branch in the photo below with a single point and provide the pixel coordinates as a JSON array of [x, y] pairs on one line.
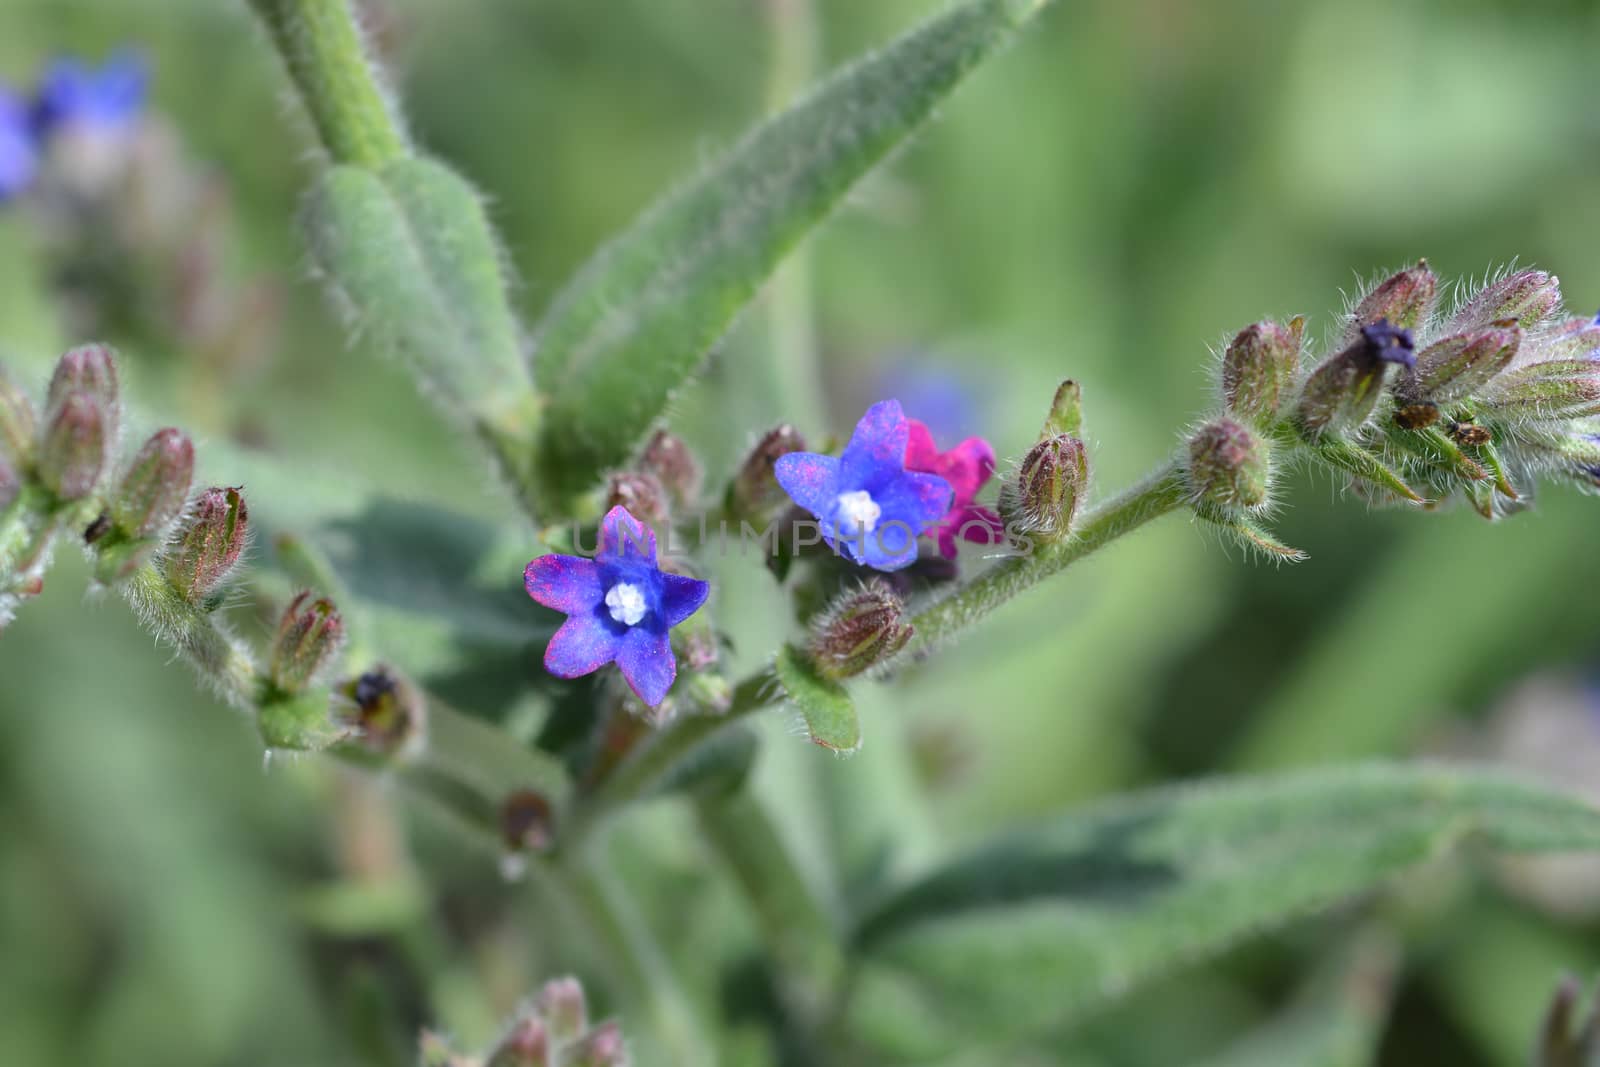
[[323, 49]]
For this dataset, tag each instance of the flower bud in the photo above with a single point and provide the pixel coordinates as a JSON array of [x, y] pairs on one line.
[[642, 494], [669, 459], [1577, 338], [526, 1045], [209, 547], [1457, 366], [88, 369], [1066, 410], [1404, 300], [72, 456], [1553, 390], [309, 636], [1259, 367], [1049, 484], [1344, 388], [562, 1005], [156, 486], [526, 821], [1527, 297], [1229, 467], [755, 488], [601, 1047], [860, 630], [390, 714], [17, 425]]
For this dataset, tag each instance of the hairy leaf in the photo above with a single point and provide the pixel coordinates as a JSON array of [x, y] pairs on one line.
[[642, 314], [830, 716], [1045, 924]]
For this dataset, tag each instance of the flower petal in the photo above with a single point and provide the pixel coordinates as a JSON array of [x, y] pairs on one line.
[[810, 479], [914, 499], [647, 664], [681, 597], [877, 448], [569, 584], [583, 645], [921, 453], [623, 537], [967, 467], [977, 524]]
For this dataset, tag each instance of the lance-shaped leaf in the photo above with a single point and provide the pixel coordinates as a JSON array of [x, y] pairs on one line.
[[830, 716], [409, 253], [1044, 925], [642, 314]]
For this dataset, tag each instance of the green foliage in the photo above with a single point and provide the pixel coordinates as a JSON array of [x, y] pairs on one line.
[[643, 313], [828, 712], [1047, 923]]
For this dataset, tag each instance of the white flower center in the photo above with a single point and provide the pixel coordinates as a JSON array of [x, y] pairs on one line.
[[858, 512], [626, 603]]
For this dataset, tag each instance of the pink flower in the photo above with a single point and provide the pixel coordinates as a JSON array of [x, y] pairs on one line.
[[966, 467]]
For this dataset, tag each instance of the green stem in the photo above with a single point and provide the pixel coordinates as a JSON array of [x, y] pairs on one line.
[[799, 933], [1160, 492], [626, 947], [322, 47], [220, 658]]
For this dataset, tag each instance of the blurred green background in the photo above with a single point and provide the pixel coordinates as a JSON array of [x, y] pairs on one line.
[[1132, 183]]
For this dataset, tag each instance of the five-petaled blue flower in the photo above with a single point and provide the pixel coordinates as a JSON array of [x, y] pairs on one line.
[[19, 151], [871, 508], [103, 102], [619, 605]]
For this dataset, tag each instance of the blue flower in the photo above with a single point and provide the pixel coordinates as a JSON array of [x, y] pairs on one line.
[[620, 607], [19, 153], [107, 101], [871, 508]]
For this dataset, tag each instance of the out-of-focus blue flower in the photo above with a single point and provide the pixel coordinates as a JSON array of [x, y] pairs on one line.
[[943, 401], [19, 152], [620, 607], [105, 101], [870, 507]]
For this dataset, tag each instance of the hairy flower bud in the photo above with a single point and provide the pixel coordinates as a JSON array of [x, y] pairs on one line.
[[562, 1005], [72, 456], [527, 1044], [1048, 486], [1229, 467], [156, 486], [1066, 410], [1259, 367], [1404, 300], [210, 545], [1457, 366], [389, 715], [1344, 388], [601, 1047], [675, 467], [90, 369], [1577, 338], [860, 630], [17, 425], [1527, 297], [641, 494], [1552, 390], [755, 488], [309, 636]]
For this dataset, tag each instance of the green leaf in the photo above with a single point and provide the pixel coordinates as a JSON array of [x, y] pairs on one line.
[[409, 253], [830, 716], [643, 313], [1044, 925]]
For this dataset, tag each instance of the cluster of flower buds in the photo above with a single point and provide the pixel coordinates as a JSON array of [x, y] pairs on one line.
[[1418, 402], [1043, 496], [755, 491], [551, 1031]]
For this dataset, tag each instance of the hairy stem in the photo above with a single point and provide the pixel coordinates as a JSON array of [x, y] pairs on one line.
[[323, 49], [799, 933], [1160, 492]]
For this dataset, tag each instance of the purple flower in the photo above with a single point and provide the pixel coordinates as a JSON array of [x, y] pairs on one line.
[[103, 102], [871, 508], [19, 153], [619, 607], [1390, 343]]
